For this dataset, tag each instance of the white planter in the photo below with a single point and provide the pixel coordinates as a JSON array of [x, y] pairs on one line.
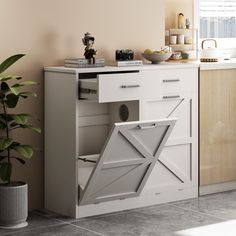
[[13, 205]]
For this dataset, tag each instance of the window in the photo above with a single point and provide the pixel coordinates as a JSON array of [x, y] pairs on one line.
[[217, 18]]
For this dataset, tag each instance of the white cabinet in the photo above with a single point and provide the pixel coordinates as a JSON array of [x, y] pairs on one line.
[[118, 138], [177, 166]]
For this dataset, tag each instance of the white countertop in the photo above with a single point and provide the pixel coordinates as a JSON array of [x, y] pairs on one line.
[[221, 64], [164, 65]]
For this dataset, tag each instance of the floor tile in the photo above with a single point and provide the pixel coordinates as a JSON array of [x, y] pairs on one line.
[[159, 221], [57, 230], [34, 221], [226, 228], [221, 205], [50, 214]]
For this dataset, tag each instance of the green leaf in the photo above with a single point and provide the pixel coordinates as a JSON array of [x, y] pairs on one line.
[[25, 83], [20, 118], [3, 117], [27, 94], [2, 125], [5, 143], [9, 77], [15, 90], [14, 144], [5, 171], [12, 100], [9, 61], [4, 87], [36, 129], [2, 158], [24, 150]]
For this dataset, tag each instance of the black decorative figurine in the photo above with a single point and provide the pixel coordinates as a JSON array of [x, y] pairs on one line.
[[89, 53]]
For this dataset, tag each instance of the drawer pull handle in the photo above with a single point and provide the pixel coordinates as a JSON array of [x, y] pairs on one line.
[[147, 127], [170, 80], [130, 86], [168, 97]]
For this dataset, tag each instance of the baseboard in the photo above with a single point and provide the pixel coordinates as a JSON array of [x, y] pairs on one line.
[[217, 188], [131, 203]]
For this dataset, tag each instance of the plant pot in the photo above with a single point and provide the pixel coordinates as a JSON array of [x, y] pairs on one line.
[[13, 205]]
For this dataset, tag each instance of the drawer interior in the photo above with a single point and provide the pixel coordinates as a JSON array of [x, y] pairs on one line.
[[88, 89], [96, 120]]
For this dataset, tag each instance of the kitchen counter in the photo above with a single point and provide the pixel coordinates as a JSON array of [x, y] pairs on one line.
[[220, 65], [163, 65]]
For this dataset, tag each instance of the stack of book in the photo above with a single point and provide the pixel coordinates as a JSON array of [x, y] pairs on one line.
[[129, 63], [83, 63]]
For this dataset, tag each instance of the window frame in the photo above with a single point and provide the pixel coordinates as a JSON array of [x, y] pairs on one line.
[[223, 43]]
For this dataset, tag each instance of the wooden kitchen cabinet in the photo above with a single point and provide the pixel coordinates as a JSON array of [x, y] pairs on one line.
[[139, 124], [217, 130]]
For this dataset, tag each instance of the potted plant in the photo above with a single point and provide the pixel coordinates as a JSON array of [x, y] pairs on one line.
[[13, 194]]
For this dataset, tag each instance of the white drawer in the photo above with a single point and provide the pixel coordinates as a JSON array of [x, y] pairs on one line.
[[112, 87], [179, 80], [160, 83]]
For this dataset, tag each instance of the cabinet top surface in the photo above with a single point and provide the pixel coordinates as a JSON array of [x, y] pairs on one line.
[[164, 65], [220, 65]]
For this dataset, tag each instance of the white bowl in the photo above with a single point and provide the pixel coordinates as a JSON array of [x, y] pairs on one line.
[[156, 58]]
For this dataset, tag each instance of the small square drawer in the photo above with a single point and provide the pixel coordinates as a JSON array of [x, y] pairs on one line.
[[179, 80], [112, 87], [159, 83]]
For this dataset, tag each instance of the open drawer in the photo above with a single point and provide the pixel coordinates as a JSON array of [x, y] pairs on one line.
[[125, 162], [112, 87]]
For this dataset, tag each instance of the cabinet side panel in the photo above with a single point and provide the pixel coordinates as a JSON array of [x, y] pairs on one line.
[[60, 142]]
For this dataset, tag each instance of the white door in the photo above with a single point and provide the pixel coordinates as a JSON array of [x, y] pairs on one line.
[[177, 164], [128, 158]]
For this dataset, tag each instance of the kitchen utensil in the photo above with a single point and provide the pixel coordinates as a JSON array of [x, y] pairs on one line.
[[181, 21], [188, 40], [180, 39], [185, 55], [176, 56], [173, 39], [156, 58], [210, 54]]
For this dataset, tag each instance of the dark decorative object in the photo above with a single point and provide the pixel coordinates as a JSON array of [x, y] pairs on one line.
[[124, 112], [89, 53], [124, 55]]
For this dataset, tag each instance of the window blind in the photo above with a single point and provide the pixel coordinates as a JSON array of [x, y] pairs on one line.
[[218, 18]]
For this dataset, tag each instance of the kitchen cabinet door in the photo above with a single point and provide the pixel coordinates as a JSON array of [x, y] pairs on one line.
[[217, 126], [177, 164], [183, 107]]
